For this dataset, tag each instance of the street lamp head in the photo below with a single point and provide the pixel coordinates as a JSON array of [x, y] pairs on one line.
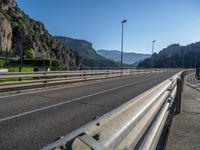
[[154, 41], [124, 21]]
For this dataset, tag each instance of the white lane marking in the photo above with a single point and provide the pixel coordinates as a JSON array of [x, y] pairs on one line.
[[67, 86], [68, 101]]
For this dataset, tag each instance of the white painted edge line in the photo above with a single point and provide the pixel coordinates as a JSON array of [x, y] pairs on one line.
[[68, 101]]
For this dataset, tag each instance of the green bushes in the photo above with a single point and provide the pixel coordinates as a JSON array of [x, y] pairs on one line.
[[30, 54], [3, 62]]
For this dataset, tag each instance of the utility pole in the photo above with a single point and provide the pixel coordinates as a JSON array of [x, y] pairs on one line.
[[122, 42]]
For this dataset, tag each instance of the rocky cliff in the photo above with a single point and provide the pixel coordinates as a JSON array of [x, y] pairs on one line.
[[87, 52], [19, 33], [175, 56], [5, 33]]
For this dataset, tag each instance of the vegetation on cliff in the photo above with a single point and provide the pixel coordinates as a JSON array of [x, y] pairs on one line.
[[18, 32], [175, 56], [85, 49]]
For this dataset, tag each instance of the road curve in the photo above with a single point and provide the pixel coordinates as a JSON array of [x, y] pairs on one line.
[[31, 121]]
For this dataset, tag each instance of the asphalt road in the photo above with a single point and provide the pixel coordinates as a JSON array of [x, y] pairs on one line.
[[31, 121]]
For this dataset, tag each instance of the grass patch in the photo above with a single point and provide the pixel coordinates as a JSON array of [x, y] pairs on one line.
[[24, 69], [16, 69]]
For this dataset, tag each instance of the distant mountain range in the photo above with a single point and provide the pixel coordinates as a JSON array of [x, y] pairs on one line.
[[129, 58], [84, 48], [175, 56]]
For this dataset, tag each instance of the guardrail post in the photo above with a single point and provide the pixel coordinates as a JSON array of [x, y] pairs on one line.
[[85, 74], [178, 96], [45, 80]]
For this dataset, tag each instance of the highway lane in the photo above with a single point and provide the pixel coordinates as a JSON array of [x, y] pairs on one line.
[[33, 120]]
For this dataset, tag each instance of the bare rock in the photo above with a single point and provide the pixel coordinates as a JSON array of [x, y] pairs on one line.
[[5, 34], [6, 4]]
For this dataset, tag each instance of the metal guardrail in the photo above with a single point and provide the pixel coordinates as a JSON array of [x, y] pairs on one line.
[[24, 80], [136, 124]]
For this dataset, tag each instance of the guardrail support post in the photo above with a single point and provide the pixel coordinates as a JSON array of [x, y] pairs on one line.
[[85, 75], [45, 82], [178, 96]]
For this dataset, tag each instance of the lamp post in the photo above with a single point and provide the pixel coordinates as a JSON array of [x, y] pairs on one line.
[[122, 42], [153, 42]]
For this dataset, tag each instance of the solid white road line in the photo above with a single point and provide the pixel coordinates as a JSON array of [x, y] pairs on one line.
[[68, 101]]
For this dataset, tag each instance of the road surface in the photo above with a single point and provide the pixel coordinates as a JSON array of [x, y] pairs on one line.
[[33, 120]]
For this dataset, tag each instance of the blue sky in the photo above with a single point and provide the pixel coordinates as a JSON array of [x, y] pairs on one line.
[[99, 21]]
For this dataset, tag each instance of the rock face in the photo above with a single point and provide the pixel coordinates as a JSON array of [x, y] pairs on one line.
[[175, 56], [6, 4], [87, 52], [5, 34], [19, 33]]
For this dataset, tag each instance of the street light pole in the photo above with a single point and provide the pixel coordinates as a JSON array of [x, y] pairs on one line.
[[122, 42], [153, 42]]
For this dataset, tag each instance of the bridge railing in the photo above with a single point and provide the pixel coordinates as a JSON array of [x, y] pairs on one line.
[[24, 80], [136, 124]]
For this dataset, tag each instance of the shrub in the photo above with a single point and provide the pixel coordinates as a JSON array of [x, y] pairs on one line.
[[30, 54]]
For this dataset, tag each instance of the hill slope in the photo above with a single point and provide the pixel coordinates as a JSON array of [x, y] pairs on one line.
[[175, 56], [19, 33], [129, 58], [87, 52]]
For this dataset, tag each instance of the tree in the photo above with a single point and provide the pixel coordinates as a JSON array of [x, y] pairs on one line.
[[30, 54]]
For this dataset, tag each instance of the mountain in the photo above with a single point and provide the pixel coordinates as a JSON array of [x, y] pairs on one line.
[[175, 56], [86, 51], [129, 58], [18, 32]]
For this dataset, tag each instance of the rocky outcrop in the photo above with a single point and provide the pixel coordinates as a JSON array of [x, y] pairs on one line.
[[19, 33], [175, 56], [5, 33], [87, 52], [7, 4]]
